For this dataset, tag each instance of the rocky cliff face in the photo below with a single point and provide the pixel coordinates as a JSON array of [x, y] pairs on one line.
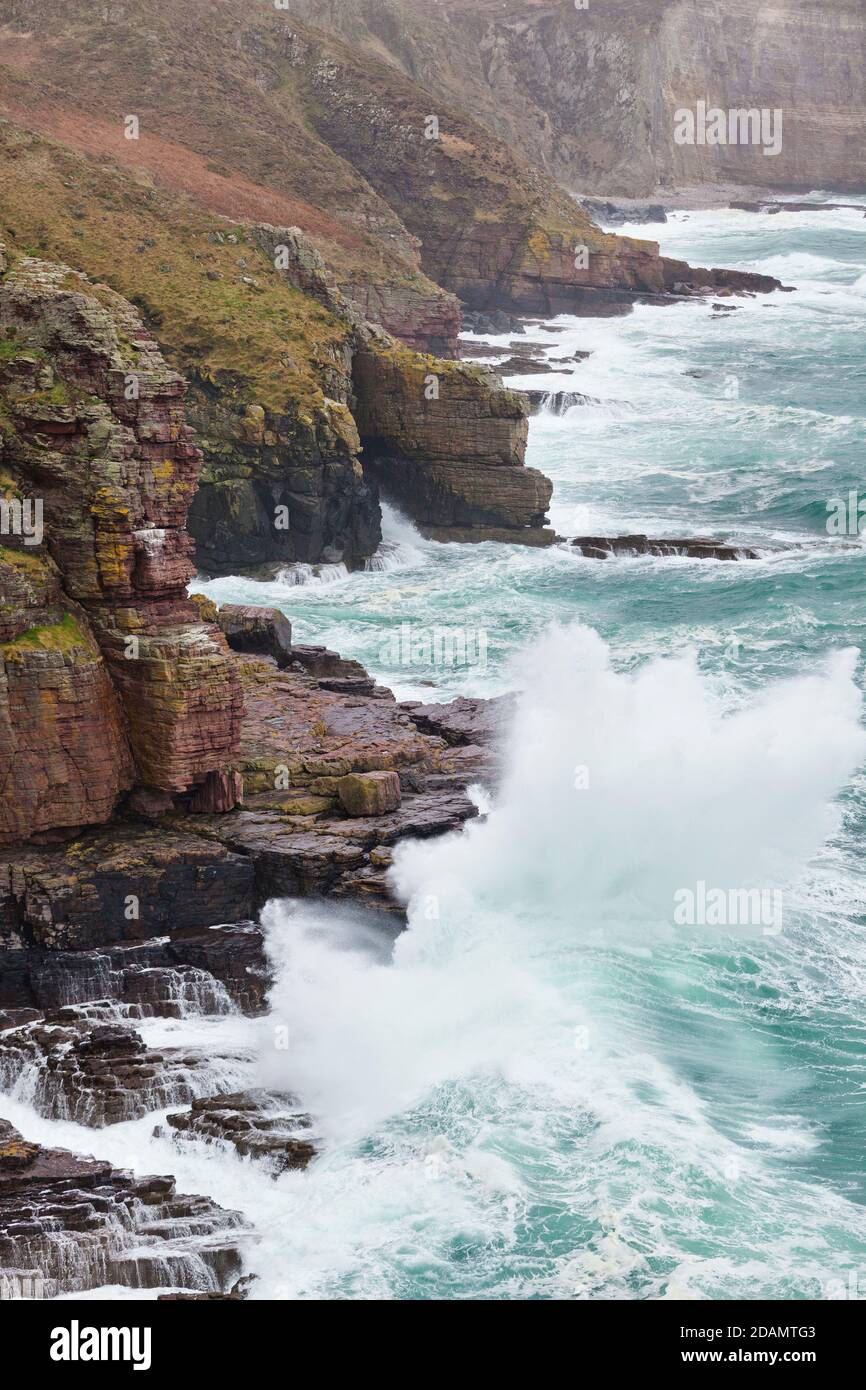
[[495, 231], [449, 442], [442, 437], [108, 672], [65, 757], [590, 94]]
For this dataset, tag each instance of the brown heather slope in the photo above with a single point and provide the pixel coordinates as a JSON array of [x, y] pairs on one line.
[[259, 355], [270, 356], [260, 95], [214, 124]]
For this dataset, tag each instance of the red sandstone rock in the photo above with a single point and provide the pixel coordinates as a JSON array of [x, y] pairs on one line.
[[96, 431]]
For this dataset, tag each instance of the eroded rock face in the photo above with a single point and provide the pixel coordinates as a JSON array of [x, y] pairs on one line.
[[124, 883], [426, 323], [590, 93], [432, 430], [64, 754], [265, 630], [448, 441], [261, 1125], [211, 972], [494, 230], [97, 436], [76, 1223], [102, 1074]]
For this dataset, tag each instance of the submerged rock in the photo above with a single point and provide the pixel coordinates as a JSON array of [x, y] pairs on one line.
[[696, 548], [557, 402]]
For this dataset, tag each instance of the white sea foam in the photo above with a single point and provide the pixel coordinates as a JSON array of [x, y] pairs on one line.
[[489, 995]]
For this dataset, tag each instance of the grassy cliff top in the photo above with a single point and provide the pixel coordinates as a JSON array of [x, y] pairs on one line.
[[218, 305]]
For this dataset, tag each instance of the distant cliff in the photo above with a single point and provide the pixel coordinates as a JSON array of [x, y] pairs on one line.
[[589, 94]]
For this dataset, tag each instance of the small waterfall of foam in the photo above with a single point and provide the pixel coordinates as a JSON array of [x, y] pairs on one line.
[[298, 575]]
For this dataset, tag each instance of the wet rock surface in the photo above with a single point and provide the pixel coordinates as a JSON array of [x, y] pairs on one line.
[[695, 548], [207, 972], [75, 1223], [122, 883], [103, 1074], [262, 1125], [557, 402]]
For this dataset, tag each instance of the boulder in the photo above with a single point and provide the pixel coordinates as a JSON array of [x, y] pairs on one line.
[[251, 629], [369, 793]]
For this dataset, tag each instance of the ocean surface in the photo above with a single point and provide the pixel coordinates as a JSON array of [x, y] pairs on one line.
[[558, 1083]]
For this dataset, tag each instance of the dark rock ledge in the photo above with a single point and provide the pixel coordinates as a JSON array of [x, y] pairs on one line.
[[695, 548], [261, 1125], [76, 1223]]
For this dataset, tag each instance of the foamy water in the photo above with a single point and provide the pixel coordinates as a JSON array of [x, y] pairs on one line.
[[549, 1087]]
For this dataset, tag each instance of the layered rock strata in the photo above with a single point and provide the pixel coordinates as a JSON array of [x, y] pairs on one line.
[[265, 1127], [108, 677], [102, 1074], [449, 442], [694, 547], [70, 1223]]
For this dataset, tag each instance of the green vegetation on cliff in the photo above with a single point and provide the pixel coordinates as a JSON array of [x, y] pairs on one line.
[[223, 312]]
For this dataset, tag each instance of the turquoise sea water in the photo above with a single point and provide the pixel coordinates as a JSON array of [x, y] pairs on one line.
[[551, 1087], [553, 1090]]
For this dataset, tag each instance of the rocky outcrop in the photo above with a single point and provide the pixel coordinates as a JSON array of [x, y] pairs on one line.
[[266, 1127], [464, 722], [448, 441], [103, 1074], [64, 755], [96, 437], [429, 324], [121, 883], [263, 630], [432, 430], [70, 1223], [193, 971], [694, 547], [306, 728]]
